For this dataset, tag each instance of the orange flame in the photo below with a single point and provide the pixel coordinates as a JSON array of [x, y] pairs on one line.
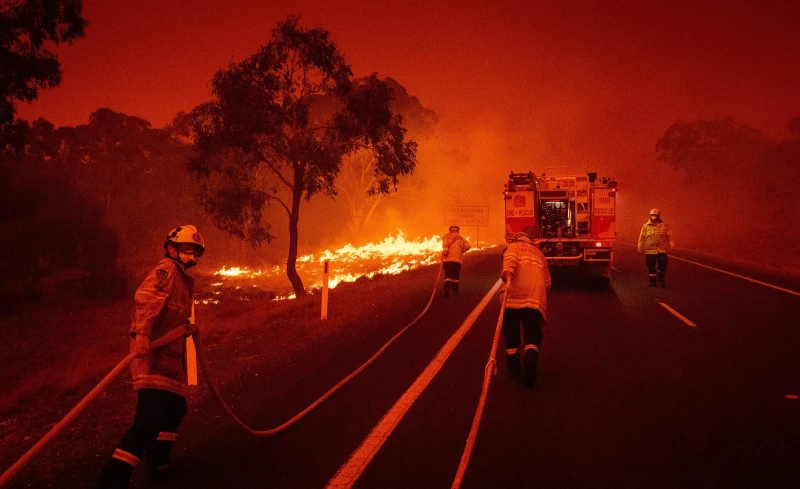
[[393, 255]]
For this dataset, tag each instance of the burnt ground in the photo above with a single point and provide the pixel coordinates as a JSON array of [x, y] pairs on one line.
[[255, 345]]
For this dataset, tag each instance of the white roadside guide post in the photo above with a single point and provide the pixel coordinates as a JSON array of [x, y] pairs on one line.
[[191, 355], [324, 312]]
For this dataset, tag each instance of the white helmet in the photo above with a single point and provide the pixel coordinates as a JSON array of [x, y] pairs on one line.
[[522, 235], [655, 211], [186, 234], [454, 227]]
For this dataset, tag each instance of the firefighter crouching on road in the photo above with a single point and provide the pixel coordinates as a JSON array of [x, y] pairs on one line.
[[163, 303], [527, 281], [655, 241], [454, 246]]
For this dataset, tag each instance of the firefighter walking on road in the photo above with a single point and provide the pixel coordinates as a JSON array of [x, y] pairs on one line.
[[527, 281], [655, 241], [453, 248], [163, 302]]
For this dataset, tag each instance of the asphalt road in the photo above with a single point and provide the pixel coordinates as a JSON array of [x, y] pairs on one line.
[[629, 395]]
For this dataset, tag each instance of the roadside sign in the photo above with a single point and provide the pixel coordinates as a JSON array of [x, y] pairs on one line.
[[466, 215]]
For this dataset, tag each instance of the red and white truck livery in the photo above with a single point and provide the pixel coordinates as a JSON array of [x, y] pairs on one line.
[[572, 218]]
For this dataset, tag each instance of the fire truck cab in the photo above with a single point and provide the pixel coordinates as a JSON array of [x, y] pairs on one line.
[[572, 219]]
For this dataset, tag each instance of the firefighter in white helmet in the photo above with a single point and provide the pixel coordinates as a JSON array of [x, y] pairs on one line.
[[453, 248], [527, 281], [163, 302], [655, 241]]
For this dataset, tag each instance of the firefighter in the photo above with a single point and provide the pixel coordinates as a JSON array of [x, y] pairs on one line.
[[655, 241], [163, 302], [527, 281], [454, 246]]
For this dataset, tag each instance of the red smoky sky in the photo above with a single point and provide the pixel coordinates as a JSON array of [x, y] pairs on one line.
[[588, 68], [517, 84]]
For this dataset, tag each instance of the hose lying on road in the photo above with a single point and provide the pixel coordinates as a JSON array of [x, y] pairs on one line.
[[203, 360], [489, 371], [59, 427]]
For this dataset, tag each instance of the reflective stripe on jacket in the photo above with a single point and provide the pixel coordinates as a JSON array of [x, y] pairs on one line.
[[454, 246], [655, 238], [163, 303], [530, 277]]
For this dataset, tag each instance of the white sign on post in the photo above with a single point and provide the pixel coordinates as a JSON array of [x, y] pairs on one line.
[[466, 215]]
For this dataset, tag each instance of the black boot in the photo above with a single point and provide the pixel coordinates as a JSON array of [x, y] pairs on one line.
[[652, 280], [116, 474], [162, 474], [446, 290], [662, 279], [159, 466], [529, 360], [514, 368]]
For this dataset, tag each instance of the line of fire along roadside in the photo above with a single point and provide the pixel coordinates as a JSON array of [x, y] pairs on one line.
[[393, 255]]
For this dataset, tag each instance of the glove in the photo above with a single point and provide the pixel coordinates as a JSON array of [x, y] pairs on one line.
[[444, 253], [141, 345], [505, 276], [191, 329]]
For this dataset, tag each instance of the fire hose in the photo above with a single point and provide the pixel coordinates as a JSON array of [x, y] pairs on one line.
[[489, 371], [201, 356], [173, 335], [62, 425]]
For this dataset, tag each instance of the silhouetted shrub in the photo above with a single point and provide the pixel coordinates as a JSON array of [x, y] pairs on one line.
[[114, 283]]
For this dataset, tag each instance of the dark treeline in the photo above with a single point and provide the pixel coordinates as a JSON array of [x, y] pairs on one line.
[[739, 194], [75, 199]]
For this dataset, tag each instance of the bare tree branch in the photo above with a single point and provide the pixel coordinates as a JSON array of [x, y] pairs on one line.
[[277, 172], [273, 197]]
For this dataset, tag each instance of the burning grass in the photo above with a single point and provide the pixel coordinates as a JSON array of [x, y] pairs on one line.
[[391, 256]]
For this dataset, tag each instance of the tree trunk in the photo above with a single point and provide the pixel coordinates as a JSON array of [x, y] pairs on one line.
[[294, 217]]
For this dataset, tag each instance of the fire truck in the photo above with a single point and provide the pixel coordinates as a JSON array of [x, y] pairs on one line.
[[572, 219]]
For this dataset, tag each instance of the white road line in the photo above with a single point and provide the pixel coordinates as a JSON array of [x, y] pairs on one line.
[[739, 276], [680, 316], [349, 473]]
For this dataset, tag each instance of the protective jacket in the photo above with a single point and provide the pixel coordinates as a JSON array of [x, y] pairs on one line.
[[163, 303], [454, 246], [530, 277], [655, 238]]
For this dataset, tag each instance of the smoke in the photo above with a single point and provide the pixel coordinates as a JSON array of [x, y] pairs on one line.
[[739, 209]]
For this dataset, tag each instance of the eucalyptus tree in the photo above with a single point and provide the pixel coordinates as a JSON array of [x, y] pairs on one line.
[[278, 127]]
